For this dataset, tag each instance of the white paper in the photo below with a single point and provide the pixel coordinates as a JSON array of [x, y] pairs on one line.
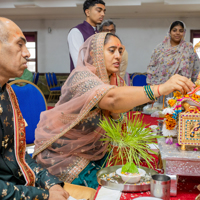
[[72, 198], [108, 194]]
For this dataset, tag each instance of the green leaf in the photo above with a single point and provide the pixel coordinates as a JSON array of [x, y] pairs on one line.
[[130, 168]]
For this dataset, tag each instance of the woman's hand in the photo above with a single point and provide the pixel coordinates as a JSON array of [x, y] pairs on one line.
[[115, 115], [176, 82]]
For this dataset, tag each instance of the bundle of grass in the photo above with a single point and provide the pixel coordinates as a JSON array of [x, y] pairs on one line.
[[130, 144]]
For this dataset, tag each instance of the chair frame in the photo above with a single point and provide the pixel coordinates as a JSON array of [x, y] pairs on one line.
[[58, 82], [34, 76], [37, 74], [135, 74], [52, 93], [28, 82]]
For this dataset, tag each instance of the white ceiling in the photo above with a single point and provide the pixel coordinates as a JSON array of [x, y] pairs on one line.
[[72, 9]]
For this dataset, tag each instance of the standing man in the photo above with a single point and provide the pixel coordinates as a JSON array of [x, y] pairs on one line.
[[20, 176], [109, 26], [94, 11]]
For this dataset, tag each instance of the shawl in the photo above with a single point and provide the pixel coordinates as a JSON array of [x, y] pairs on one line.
[[68, 137], [167, 61]]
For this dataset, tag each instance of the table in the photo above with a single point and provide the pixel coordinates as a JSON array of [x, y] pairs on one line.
[[186, 187], [188, 162], [147, 119], [186, 190]]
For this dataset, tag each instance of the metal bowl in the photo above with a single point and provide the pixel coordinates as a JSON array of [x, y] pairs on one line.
[[121, 185]]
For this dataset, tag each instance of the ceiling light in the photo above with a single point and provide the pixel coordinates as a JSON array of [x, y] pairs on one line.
[[182, 2], [26, 6]]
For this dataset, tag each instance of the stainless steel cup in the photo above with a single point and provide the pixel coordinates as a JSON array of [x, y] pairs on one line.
[[160, 186]]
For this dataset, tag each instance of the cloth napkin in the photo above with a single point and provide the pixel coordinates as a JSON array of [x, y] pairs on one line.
[[108, 194]]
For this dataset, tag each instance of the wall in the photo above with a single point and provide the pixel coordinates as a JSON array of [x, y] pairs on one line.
[[140, 36]]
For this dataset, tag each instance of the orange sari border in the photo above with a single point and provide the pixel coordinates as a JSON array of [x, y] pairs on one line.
[[20, 139]]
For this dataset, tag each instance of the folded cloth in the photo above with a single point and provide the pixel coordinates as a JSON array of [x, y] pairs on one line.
[[72, 198], [108, 194]]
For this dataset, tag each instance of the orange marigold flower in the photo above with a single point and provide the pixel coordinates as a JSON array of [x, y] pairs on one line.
[[178, 95], [195, 97], [170, 122], [172, 102], [168, 116], [187, 95]]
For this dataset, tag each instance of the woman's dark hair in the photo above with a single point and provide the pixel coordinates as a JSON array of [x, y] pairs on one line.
[[108, 37], [176, 23], [89, 3]]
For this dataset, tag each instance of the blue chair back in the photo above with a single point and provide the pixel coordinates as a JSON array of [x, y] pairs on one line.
[[131, 76], [48, 80], [31, 103], [139, 80], [36, 78], [54, 79], [51, 80]]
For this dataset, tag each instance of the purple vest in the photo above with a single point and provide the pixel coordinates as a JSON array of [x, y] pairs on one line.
[[87, 30]]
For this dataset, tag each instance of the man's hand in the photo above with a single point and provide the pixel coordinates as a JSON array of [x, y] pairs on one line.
[[57, 192]]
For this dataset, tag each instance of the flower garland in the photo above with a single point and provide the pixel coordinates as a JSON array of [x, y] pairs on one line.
[[172, 111], [170, 121]]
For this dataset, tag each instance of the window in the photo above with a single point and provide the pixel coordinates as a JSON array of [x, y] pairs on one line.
[[195, 40], [31, 45]]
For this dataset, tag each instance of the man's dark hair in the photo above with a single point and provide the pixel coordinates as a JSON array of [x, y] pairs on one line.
[[4, 35], [90, 3], [107, 22]]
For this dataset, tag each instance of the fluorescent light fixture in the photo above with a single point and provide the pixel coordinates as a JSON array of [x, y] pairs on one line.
[[181, 2], [123, 3], [26, 6]]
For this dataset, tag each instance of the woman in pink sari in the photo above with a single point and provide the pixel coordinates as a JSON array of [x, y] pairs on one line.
[[67, 139]]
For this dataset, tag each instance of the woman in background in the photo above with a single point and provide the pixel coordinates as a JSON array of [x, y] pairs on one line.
[[173, 56]]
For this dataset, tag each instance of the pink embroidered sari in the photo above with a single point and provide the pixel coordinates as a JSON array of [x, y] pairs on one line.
[[68, 137]]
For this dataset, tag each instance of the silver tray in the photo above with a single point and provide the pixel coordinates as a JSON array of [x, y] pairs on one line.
[[121, 186]]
